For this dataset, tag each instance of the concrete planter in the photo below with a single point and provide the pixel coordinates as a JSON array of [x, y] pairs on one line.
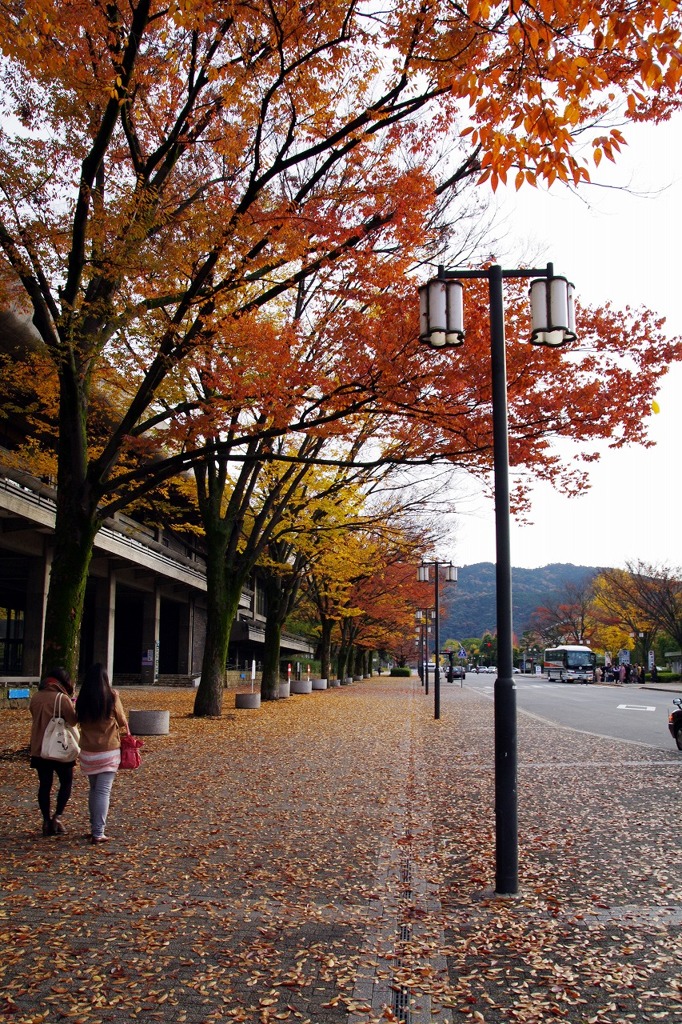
[[335, 682], [149, 723], [319, 684], [347, 681], [284, 690], [301, 686], [247, 700], [357, 679]]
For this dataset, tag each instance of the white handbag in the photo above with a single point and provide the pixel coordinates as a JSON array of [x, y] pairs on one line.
[[60, 742]]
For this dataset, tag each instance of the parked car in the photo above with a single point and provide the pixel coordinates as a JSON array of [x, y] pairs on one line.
[[458, 672]]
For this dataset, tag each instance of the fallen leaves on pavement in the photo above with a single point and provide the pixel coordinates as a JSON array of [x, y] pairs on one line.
[[292, 863]]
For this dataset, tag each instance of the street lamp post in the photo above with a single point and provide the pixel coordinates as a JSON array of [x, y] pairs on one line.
[[424, 617], [423, 577], [442, 325]]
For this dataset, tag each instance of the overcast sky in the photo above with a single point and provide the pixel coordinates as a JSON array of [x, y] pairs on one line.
[[626, 248]]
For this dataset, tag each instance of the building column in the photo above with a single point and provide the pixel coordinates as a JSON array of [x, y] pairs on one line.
[[37, 584], [105, 620], [150, 637], [185, 637]]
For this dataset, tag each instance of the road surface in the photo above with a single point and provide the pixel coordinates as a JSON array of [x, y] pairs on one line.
[[620, 712]]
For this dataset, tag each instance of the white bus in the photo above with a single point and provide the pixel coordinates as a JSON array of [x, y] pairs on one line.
[[570, 663]]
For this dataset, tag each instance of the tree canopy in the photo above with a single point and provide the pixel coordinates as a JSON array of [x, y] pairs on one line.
[[170, 174]]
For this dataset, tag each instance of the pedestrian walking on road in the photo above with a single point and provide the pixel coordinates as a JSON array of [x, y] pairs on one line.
[[42, 708], [102, 721]]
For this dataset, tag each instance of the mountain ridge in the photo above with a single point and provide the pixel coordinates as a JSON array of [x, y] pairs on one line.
[[468, 608]]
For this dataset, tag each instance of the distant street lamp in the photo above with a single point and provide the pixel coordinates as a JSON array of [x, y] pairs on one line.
[[638, 636], [442, 325], [424, 616], [423, 577]]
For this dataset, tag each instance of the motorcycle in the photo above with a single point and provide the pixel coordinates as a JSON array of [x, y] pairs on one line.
[[675, 722]]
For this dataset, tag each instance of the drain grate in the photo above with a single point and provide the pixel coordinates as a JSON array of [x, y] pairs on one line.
[[406, 877], [401, 1006], [401, 995]]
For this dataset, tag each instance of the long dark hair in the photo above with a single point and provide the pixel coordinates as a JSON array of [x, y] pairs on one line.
[[58, 675], [95, 697]]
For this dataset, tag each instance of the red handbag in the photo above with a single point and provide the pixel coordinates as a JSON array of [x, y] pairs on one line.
[[130, 752]]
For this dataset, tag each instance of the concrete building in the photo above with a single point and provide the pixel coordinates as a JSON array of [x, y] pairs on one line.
[[145, 605]]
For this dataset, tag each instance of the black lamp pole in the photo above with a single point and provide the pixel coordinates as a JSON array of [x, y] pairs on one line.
[[424, 578], [423, 616], [506, 815], [554, 330], [426, 658]]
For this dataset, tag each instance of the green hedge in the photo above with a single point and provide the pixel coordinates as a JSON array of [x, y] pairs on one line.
[[398, 671]]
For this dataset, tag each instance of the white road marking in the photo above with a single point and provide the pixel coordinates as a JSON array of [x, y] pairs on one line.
[[635, 707]]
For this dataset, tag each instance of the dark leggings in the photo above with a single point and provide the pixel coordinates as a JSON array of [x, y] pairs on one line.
[[46, 770]]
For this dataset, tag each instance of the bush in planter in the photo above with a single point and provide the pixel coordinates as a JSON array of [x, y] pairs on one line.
[[398, 671]]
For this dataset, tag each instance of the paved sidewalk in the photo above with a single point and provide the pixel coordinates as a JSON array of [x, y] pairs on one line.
[[664, 687], [329, 858]]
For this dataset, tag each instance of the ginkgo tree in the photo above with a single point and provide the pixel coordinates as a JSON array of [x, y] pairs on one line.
[[331, 504], [636, 604], [328, 586], [360, 605], [269, 514], [362, 581], [167, 171]]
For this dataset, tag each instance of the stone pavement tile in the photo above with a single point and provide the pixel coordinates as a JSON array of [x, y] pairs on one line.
[[235, 885], [594, 933], [330, 858]]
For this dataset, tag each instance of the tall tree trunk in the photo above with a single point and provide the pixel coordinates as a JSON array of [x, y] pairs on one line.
[[222, 595], [345, 665], [269, 687], [341, 664], [76, 526], [73, 543], [359, 661], [342, 661], [276, 608], [326, 647]]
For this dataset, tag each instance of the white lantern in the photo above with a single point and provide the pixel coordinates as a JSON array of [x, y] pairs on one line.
[[441, 310], [552, 311]]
